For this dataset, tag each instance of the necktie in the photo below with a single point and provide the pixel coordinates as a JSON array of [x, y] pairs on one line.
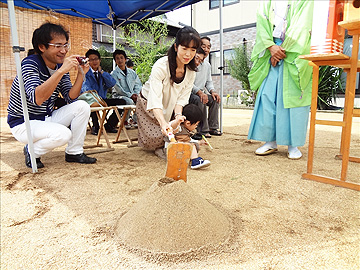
[[96, 76]]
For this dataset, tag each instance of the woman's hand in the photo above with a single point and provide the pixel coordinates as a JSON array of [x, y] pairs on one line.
[[164, 125], [166, 128]]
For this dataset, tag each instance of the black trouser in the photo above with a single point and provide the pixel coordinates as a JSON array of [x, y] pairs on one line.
[[112, 121]]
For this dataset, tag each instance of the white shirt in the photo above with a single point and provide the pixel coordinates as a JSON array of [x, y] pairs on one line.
[[161, 93], [280, 10]]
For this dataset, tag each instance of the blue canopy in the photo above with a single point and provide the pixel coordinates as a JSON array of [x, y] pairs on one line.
[[114, 13]]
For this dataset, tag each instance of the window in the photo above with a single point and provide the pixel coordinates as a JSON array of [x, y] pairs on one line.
[[105, 34], [215, 3], [215, 61], [228, 57]]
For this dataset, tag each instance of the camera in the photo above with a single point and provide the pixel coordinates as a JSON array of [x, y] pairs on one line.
[[82, 60]]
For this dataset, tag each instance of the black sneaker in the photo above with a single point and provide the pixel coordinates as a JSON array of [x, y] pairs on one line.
[[39, 164], [110, 129], [79, 158], [94, 131], [197, 137]]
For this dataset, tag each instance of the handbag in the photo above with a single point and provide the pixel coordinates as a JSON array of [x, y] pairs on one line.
[[93, 99]]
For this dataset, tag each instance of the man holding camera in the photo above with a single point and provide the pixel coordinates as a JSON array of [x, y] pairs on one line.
[[46, 75]]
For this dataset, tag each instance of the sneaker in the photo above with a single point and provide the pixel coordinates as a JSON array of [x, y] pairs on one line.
[[198, 163], [110, 129], [197, 136], [132, 123], [94, 131], [79, 158], [39, 164], [127, 125]]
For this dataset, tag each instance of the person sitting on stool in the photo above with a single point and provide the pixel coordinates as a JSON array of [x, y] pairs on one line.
[[99, 80]]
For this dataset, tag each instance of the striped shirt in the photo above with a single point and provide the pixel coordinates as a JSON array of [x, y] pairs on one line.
[[35, 73]]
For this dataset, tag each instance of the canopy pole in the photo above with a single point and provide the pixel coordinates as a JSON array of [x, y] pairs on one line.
[[221, 65], [114, 46], [16, 51]]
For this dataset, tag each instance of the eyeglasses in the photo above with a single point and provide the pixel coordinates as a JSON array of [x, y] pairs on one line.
[[60, 46], [93, 59]]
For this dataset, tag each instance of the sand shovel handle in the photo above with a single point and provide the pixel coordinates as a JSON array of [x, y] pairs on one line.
[[207, 142], [170, 135]]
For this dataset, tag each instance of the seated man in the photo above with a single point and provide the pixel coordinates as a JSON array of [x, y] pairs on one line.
[[101, 81], [203, 94], [128, 84], [46, 75]]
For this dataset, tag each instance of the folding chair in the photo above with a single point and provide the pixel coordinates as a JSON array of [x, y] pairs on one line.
[[100, 106], [122, 119]]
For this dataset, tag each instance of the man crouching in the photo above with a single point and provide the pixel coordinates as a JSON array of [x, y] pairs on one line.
[[46, 75]]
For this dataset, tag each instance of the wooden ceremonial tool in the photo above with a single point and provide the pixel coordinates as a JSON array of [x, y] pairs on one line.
[[207, 142], [178, 157]]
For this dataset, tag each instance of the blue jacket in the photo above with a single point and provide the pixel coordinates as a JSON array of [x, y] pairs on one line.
[[90, 83], [125, 85]]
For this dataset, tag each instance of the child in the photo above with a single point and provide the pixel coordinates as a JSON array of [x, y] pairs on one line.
[[183, 130]]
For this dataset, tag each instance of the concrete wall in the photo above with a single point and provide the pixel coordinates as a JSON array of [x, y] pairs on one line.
[[239, 22], [27, 21], [205, 19]]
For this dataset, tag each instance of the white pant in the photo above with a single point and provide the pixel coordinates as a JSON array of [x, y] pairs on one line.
[[54, 131]]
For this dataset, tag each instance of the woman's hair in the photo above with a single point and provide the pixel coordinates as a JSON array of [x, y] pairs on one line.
[[184, 37]]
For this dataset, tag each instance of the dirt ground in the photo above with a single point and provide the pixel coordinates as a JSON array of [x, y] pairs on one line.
[[64, 217]]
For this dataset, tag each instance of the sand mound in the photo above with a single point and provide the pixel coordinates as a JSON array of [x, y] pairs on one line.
[[171, 217]]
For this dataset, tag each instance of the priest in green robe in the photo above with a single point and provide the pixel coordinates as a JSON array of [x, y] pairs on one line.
[[283, 80]]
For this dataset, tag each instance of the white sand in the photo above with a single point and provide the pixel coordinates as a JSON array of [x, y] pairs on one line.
[[65, 216]]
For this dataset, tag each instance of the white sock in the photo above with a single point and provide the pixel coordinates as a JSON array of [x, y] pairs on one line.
[[265, 147], [294, 152], [271, 144]]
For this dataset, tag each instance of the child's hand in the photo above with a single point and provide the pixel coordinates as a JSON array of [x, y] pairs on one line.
[[179, 118], [202, 142]]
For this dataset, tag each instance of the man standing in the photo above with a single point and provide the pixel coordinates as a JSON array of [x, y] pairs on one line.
[[101, 81], [128, 84], [46, 75], [204, 94], [283, 80]]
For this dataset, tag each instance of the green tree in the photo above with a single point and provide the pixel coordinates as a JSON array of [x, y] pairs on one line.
[[329, 84], [240, 67], [106, 59], [148, 41]]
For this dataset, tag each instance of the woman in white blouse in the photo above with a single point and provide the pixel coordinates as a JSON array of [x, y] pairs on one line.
[[167, 91]]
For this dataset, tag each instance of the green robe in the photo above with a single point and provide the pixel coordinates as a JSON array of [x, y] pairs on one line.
[[297, 72]]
